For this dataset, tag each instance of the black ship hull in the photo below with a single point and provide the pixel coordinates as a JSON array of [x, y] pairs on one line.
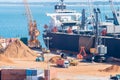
[[73, 42]]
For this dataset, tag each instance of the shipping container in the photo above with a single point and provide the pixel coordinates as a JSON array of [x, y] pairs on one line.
[[34, 74], [32, 78], [31, 72], [46, 72], [13, 74], [47, 78], [40, 73]]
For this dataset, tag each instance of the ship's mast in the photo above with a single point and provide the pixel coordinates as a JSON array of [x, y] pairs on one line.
[[83, 20], [62, 4]]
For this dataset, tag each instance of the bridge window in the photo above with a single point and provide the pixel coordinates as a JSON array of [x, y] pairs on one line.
[[118, 14]]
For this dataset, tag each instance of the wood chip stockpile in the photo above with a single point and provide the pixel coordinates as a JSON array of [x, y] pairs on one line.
[[113, 68], [18, 49]]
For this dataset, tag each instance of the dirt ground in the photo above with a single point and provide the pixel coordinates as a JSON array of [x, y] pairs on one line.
[[18, 55], [72, 73]]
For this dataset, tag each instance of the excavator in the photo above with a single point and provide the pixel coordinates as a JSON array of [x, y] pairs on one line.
[[33, 42]]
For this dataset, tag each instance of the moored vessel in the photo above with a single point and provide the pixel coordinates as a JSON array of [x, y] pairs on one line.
[[67, 32]]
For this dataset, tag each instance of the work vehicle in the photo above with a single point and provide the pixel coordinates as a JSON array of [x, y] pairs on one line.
[[62, 63]]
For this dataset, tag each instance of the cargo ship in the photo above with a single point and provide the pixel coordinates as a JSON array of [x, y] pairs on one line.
[[68, 33]]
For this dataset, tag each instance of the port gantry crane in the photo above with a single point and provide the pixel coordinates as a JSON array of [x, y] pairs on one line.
[[32, 28]]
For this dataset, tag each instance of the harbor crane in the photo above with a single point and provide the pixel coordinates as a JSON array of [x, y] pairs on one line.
[[32, 28]]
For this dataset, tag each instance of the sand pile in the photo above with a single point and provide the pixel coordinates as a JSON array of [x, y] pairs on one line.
[[5, 59], [54, 59], [113, 68], [2, 57], [18, 49], [1, 48]]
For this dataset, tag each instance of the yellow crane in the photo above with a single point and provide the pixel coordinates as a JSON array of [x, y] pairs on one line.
[[32, 28]]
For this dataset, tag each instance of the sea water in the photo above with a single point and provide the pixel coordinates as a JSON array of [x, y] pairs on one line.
[[14, 24]]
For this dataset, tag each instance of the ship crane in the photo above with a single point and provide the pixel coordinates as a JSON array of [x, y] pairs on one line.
[[101, 50], [32, 28], [116, 17]]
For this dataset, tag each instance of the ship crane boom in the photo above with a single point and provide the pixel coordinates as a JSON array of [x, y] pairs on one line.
[[32, 27], [28, 11], [115, 13]]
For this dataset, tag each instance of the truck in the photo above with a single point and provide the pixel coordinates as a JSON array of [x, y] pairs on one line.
[[116, 77], [62, 63]]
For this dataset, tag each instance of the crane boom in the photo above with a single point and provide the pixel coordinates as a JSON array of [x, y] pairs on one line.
[[32, 27], [28, 12], [115, 13]]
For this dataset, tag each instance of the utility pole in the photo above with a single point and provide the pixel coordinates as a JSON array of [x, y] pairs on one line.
[[48, 65], [48, 38]]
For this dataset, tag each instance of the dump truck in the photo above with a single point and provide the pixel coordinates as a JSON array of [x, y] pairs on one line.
[[62, 63], [39, 59], [117, 77]]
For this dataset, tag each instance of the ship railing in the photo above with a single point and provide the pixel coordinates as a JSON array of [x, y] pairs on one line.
[[65, 11], [74, 33]]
